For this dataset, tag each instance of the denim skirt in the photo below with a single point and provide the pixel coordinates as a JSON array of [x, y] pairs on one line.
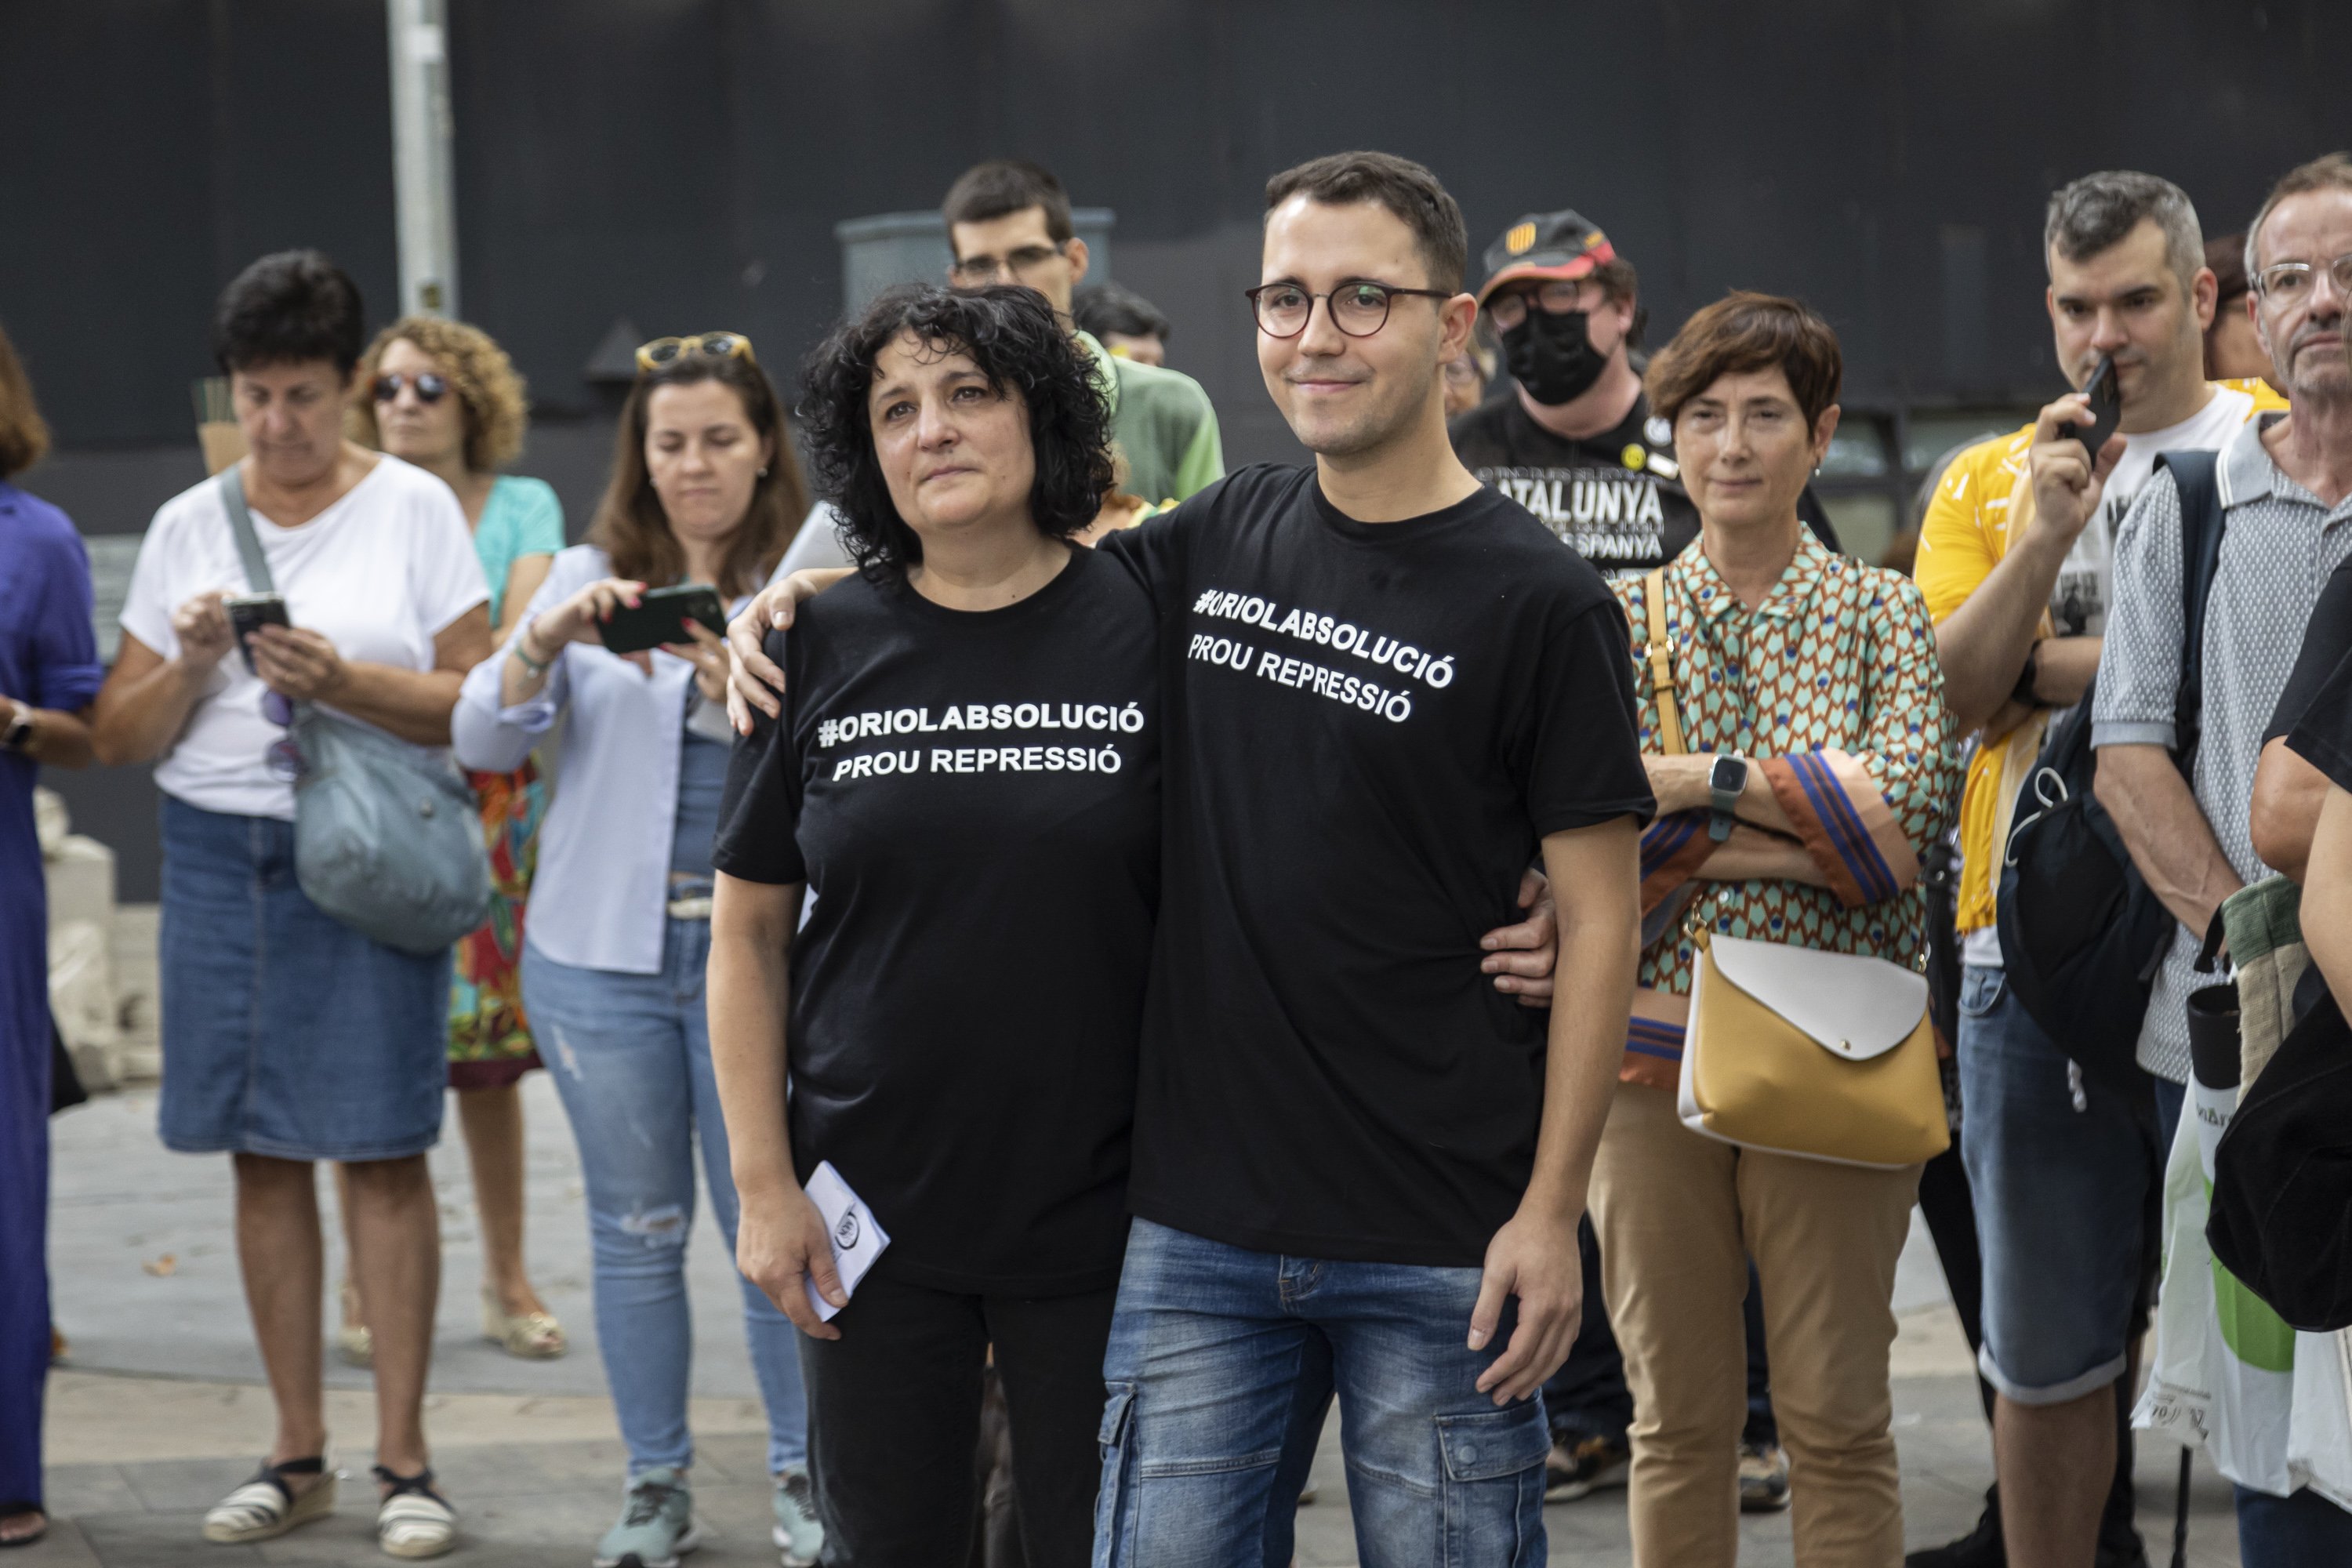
[[286, 1033]]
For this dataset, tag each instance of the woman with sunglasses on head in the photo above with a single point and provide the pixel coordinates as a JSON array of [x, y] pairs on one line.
[[443, 395], [289, 1037], [704, 491]]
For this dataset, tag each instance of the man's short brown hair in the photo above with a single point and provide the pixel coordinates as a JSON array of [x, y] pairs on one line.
[[23, 434], [1623, 285], [1002, 186], [1403, 187], [1744, 331]]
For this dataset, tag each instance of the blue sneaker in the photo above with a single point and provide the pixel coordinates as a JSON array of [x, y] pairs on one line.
[[657, 1525], [798, 1535]]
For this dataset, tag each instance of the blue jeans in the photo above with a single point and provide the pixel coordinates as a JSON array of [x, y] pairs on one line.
[[1220, 1366], [630, 1054], [2067, 1195], [2291, 1531]]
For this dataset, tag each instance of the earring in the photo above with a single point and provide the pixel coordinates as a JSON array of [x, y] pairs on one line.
[[763, 472]]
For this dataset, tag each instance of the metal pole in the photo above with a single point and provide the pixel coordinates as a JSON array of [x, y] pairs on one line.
[[424, 197]]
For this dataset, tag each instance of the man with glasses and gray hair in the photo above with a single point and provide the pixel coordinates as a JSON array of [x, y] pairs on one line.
[[2015, 558], [2284, 484]]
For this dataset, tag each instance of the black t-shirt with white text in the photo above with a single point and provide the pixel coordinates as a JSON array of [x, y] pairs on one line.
[[1371, 727], [973, 799], [1616, 499]]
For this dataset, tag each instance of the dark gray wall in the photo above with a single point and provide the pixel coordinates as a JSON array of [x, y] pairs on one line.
[[681, 163]]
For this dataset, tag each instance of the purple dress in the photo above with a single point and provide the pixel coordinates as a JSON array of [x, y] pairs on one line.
[[48, 658]]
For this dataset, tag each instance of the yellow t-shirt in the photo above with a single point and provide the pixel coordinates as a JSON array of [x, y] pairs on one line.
[[1983, 500]]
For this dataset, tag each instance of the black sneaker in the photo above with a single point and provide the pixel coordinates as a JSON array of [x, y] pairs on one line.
[[1763, 1477], [1580, 1467], [1979, 1548]]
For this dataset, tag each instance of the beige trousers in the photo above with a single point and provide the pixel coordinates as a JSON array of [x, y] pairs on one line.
[[1678, 1216]]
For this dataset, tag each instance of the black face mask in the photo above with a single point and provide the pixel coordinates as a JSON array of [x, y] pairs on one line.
[[1552, 356]]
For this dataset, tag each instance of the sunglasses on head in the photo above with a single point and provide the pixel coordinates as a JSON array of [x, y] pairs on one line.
[[430, 388], [711, 345]]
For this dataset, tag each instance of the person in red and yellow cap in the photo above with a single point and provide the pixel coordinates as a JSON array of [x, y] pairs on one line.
[[1573, 439]]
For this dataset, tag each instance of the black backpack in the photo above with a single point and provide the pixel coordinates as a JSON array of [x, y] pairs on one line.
[[2081, 934]]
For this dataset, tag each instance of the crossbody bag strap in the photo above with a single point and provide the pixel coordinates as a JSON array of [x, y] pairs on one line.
[[2203, 518], [240, 522], [1662, 665]]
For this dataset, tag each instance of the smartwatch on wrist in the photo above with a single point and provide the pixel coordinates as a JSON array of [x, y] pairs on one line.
[[1725, 782], [16, 734]]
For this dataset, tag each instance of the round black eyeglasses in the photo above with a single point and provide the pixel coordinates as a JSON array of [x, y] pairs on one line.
[[1359, 309]]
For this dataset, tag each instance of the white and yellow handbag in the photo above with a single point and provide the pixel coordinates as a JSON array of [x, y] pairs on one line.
[[1826, 1055]]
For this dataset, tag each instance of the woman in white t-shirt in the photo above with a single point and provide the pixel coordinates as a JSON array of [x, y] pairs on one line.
[[289, 1037]]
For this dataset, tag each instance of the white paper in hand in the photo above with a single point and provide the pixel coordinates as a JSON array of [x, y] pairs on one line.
[[857, 1239]]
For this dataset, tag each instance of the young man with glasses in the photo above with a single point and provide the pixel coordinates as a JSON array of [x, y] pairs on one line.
[[2018, 560], [1356, 1165], [1009, 222], [1573, 439], [1359, 1163]]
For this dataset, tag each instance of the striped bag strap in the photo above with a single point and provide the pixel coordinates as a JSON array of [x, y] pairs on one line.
[[1662, 663]]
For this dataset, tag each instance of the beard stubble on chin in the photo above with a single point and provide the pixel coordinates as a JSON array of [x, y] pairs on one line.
[[1369, 428]]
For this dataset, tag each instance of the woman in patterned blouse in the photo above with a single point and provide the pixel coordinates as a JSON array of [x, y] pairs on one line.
[[1818, 674]]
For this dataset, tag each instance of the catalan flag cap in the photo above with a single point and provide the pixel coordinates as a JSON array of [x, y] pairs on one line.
[[1544, 245]]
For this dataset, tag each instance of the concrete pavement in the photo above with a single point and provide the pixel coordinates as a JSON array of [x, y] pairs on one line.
[[160, 1411]]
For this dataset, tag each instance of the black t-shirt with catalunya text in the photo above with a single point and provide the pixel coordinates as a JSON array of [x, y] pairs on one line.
[[974, 800], [1371, 726], [1616, 499]]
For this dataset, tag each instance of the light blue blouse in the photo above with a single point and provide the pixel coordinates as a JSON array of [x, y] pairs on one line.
[[601, 896]]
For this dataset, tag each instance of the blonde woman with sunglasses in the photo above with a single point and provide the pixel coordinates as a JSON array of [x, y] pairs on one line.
[[443, 395], [704, 491]]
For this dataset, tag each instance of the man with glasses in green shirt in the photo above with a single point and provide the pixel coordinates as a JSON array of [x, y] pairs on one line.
[[1009, 222]]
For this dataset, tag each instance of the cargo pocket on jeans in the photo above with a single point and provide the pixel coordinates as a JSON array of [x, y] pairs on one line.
[[1493, 1485], [1113, 1523]]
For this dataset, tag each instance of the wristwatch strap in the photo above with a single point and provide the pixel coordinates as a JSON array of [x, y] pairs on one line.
[[1723, 805]]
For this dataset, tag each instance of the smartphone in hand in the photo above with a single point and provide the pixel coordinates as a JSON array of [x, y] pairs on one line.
[[660, 615], [248, 612], [2107, 408]]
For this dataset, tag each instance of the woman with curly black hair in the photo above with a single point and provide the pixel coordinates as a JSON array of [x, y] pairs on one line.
[[965, 776]]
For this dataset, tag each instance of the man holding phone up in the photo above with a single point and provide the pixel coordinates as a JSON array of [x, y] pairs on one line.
[[2015, 560]]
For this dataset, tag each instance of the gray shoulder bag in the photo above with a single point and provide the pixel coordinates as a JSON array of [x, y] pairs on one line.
[[387, 839]]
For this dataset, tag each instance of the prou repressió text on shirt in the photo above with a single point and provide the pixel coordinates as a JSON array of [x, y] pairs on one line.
[[1348, 689], [1106, 720]]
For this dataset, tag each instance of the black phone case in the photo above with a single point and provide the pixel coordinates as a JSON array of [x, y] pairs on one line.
[[656, 616], [244, 620], [2107, 409]]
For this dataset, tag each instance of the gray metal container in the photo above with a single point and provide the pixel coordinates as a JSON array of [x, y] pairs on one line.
[[912, 247]]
